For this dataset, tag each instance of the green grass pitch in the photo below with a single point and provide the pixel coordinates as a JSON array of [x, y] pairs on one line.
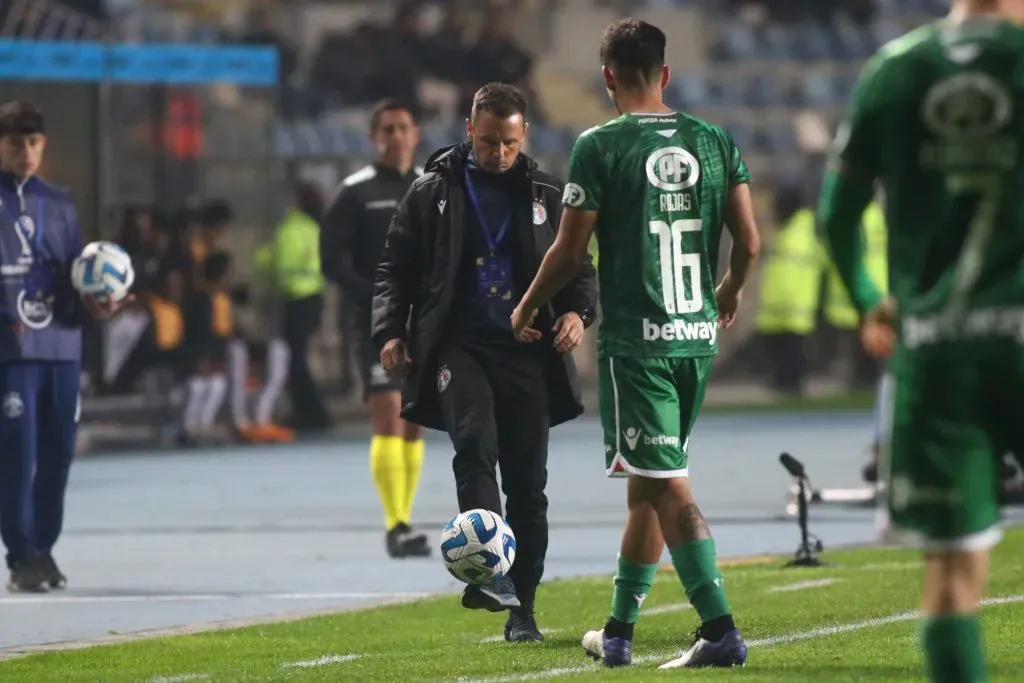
[[850, 621]]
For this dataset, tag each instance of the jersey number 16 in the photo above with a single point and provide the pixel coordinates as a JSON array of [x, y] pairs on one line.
[[675, 265]]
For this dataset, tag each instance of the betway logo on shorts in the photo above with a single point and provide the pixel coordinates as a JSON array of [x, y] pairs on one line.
[[680, 330], [634, 436]]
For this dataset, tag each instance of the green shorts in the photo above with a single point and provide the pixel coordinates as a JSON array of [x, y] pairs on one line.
[[648, 407], [956, 412]]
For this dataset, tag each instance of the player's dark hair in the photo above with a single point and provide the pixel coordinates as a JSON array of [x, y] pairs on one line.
[[216, 266], [499, 99], [21, 118], [635, 51], [215, 213], [392, 105]]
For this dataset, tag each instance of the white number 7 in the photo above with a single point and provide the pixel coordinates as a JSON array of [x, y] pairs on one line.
[[972, 255], [673, 263]]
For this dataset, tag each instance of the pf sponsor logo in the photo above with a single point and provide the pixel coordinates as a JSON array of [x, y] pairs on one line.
[[680, 330], [672, 169], [574, 195]]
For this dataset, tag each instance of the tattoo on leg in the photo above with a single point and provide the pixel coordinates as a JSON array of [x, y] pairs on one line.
[[691, 525]]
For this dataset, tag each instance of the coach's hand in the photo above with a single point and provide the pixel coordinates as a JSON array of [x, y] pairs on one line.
[[568, 331], [878, 330], [728, 297], [105, 309], [522, 319], [394, 357]]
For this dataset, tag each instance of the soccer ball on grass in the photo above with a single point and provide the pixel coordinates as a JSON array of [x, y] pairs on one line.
[[478, 547], [104, 270]]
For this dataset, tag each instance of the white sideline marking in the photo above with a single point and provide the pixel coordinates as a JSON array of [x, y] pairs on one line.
[[501, 638], [320, 661], [803, 585], [665, 609], [179, 678], [821, 632], [199, 597]]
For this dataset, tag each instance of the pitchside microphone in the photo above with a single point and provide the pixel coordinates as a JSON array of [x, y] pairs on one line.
[[793, 466]]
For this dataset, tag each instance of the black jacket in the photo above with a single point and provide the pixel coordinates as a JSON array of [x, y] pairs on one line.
[[421, 263], [354, 228]]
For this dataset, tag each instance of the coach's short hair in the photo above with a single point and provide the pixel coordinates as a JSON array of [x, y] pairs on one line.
[[391, 104], [634, 50], [21, 118], [499, 99]]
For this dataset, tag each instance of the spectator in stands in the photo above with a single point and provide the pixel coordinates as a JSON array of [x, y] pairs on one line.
[[497, 57], [140, 238], [209, 326]]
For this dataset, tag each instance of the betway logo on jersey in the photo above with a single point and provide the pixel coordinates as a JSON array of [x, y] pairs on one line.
[[634, 436], [680, 330]]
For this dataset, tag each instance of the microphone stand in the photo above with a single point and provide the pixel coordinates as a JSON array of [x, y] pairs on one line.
[[807, 553]]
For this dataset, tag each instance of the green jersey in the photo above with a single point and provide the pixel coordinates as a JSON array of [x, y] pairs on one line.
[[659, 183], [938, 117]]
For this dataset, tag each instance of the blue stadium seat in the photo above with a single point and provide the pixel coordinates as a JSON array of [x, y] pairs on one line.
[[690, 90], [776, 43], [763, 90], [737, 43], [727, 92], [781, 138], [810, 43], [843, 86], [886, 30], [818, 90]]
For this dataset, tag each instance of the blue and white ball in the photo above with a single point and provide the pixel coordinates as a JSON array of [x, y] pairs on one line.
[[478, 547], [104, 270]]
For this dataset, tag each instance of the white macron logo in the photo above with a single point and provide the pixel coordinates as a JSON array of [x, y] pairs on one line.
[[680, 330], [440, 206], [632, 435], [640, 599]]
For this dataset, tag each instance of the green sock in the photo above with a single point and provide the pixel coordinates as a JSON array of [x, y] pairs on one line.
[[953, 649], [632, 584], [698, 570]]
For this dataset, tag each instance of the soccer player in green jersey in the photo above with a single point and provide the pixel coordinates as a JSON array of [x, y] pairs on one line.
[[938, 119], [657, 187]]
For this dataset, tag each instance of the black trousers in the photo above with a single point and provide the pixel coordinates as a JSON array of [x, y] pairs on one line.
[[301, 320], [789, 362], [495, 409]]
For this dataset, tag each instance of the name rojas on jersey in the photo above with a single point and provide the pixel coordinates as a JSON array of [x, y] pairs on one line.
[[674, 173]]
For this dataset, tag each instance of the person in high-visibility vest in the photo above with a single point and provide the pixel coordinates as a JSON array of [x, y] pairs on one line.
[[790, 292], [838, 310], [300, 285]]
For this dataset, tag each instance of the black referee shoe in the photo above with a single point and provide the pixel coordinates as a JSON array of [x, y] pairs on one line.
[[55, 579], [27, 577], [401, 541]]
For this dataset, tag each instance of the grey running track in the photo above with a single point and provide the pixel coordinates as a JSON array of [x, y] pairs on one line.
[[163, 540]]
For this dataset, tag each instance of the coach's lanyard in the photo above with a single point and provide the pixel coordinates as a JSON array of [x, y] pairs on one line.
[[492, 242]]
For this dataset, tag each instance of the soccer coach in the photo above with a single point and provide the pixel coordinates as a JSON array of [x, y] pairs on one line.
[[462, 247], [40, 351]]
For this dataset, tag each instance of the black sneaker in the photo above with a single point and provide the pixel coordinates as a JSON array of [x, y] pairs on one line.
[[54, 577], [521, 627], [494, 597], [401, 541], [27, 577]]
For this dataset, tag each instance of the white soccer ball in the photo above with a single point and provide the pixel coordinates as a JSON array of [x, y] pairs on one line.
[[104, 270], [478, 547]]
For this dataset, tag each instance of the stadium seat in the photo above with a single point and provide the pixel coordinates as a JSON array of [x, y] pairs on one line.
[[781, 138], [737, 43], [776, 44], [742, 135], [810, 43], [690, 90], [763, 90], [818, 90]]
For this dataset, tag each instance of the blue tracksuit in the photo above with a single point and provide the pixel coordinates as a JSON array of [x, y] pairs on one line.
[[40, 357]]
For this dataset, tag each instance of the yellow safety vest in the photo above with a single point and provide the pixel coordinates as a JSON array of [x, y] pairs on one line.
[[296, 256], [791, 279], [839, 310]]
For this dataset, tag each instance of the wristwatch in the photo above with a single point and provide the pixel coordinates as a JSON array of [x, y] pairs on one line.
[[586, 315]]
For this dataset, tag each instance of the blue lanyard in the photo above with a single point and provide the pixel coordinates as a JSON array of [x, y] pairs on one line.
[[492, 242], [37, 234]]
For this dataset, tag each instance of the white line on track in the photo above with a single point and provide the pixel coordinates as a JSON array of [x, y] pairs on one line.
[[665, 609], [320, 661], [803, 585], [821, 632], [200, 597]]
